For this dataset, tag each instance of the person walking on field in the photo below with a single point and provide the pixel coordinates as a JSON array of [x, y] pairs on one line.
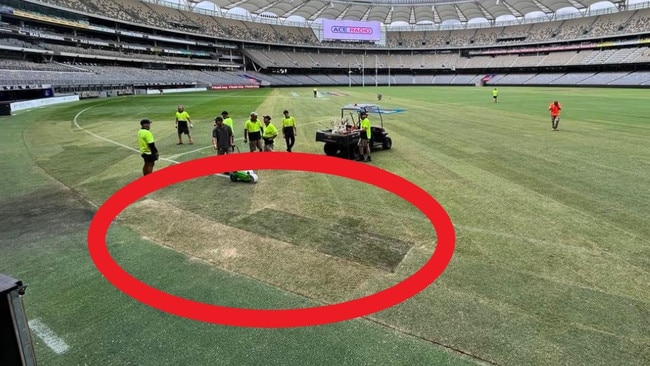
[[253, 133], [289, 130], [228, 121], [183, 124], [222, 137], [495, 95], [270, 133], [147, 146], [555, 109]]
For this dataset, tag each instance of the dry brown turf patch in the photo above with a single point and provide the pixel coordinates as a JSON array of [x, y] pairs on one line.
[[296, 268]]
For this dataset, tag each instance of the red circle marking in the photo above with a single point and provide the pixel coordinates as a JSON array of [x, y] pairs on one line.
[[281, 318]]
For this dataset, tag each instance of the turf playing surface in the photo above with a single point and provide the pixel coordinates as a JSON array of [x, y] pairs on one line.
[[356, 244], [551, 264]]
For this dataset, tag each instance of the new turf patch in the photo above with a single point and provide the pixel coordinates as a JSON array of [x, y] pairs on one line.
[[344, 239]]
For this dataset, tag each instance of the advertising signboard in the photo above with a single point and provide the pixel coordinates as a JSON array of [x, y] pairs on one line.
[[351, 30]]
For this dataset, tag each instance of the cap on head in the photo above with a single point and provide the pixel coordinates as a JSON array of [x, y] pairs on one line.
[[144, 121], [254, 114]]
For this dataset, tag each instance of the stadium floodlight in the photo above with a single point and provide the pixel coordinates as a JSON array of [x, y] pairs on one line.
[[349, 76], [376, 59], [363, 70]]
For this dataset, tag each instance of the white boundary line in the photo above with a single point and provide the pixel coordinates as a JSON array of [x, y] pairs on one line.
[[109, 140], [197, 150], [318, 121], [95, 135], [189, 152], [209, 147], [171, 158], [42, 331], [122, 145]]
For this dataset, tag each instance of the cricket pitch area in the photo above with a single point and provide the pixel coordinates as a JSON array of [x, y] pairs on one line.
[[552, 259]]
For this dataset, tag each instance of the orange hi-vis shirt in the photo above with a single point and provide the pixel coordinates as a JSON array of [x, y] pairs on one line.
[[555, 109]]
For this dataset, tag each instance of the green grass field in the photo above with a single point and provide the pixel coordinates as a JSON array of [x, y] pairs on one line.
[[552, 260]]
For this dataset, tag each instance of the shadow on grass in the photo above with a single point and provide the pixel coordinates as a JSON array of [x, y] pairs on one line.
[[44, 213]]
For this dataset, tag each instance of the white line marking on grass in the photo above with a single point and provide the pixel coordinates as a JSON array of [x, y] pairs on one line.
[[42, 331], [120, 144], [189, 152], [109, 140], [96, 135], [318, 121], [197, 150]]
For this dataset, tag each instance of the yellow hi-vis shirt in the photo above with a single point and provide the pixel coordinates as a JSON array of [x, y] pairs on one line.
[[289, 122], [145, 137], [365, 125], [182, 116], [228, 122], [270, 131], [251, 126]]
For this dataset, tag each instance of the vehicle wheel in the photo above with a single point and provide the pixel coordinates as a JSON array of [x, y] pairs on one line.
[[330, 149], [351, 152], [387, 143], [233, 177]]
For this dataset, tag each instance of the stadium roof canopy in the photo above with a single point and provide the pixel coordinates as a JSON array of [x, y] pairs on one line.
[[408, 11]]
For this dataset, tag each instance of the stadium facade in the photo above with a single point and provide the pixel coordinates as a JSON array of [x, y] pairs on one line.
[[121, 46]]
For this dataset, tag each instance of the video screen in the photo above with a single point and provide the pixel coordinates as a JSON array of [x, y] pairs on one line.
[[351, 30]]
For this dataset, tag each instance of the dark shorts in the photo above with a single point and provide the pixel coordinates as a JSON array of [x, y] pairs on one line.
[[268, 142], [363, 140], [288, 131], [254, 136], [183, 128], [149, 158]]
